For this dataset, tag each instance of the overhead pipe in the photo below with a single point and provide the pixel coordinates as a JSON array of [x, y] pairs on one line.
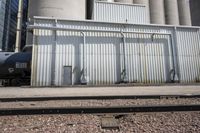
[[30, 27], [19, 26], [173, 72]]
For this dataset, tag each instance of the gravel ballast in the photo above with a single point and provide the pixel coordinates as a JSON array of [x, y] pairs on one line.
[[180, 122]]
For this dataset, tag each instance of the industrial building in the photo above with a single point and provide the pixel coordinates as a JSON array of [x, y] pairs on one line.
[[148, 41], [8, 23], [100, 42]]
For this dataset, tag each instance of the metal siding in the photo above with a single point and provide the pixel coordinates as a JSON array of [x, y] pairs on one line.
[[67, 54], [148, 60], [189, 54], [42, 56], [124, 13], [101, 57]]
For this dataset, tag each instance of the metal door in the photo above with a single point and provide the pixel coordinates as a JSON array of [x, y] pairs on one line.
[[67, 75]]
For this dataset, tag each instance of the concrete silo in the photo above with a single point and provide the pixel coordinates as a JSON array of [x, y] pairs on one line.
[[146, 3], [184, 12], [125, 1], [171, 12], [69, 9], [157, 12]]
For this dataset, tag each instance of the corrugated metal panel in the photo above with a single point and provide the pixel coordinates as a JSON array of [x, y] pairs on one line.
[[117, 12], [102, 53], [189, 54], [42, 49], [148, 57]]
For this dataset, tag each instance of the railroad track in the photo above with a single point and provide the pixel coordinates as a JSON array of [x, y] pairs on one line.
[[97, 97], [98, 110]]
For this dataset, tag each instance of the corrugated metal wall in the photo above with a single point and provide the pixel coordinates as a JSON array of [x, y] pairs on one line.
[[146, 58], [118, 12], [188, 41]]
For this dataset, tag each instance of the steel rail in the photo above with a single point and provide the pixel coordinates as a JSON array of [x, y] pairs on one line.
[[27, 99], [98, 110]]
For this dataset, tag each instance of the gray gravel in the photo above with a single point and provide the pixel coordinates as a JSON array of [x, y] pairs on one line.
[[179, 122], [98, 103]]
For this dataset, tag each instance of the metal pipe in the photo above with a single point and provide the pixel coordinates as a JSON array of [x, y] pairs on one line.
[[173, 60], [53, 57], [30, 27], [19, 26], [176, 76], [125, 78], [83, 78], [114, 23], [173, 56]]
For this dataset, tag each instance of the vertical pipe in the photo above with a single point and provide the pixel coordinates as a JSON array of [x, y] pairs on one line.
[[184, 12], [146, 3], [19, 26], [125, 78], [53, 57], [157, 12], [83, 78], [171, 12], [173, 71]]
